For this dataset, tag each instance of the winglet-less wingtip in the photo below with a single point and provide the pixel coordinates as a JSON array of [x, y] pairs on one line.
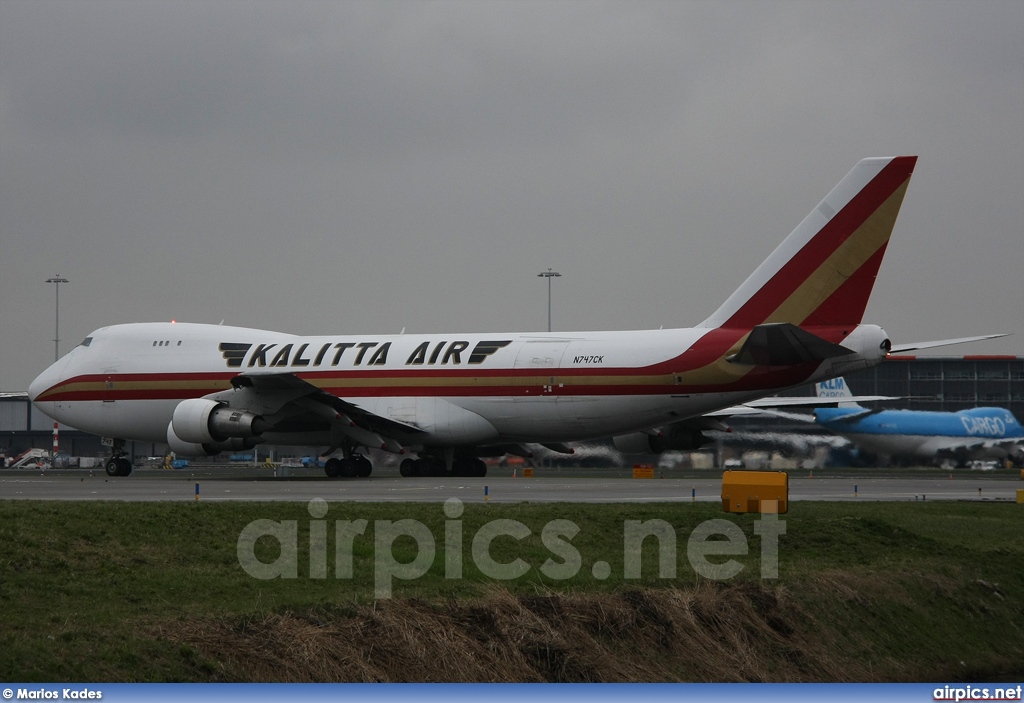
[[900, 348]]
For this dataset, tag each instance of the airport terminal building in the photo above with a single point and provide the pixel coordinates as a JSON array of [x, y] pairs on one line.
[[937, 383], [941, 383], [923, 383]]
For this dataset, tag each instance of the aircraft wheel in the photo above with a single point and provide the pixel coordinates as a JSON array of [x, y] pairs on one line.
[[480, 469], [408, 468], [125, 466], [363, 466], [347, 467], [113, 467], [332, 467]]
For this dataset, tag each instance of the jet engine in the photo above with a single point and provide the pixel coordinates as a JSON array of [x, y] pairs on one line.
[[643, 443], [182, 448], [203, 421]]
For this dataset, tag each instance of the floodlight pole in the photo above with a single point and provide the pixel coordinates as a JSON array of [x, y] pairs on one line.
[[549, 274], [56, 280]]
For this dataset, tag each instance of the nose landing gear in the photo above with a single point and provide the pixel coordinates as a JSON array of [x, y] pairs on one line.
[[118, 464]]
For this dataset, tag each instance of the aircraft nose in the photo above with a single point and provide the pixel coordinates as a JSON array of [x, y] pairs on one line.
[[36, 387], [46, 380]]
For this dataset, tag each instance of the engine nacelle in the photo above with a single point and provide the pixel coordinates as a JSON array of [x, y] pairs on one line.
[[237, 444], [643, 443], [204, 421], [182, 448]]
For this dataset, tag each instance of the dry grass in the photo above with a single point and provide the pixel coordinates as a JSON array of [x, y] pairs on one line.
[[707, 632], [867, 592]]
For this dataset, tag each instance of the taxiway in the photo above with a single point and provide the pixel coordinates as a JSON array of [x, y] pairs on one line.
[[155, 485]]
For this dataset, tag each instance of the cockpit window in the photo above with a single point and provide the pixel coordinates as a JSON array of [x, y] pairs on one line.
[[86, 342]]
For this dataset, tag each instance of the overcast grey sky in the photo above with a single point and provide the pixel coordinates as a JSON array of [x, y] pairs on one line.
[[363, 167]]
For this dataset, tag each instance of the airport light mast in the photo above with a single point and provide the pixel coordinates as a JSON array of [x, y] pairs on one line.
[[549, 274], [56, 280]]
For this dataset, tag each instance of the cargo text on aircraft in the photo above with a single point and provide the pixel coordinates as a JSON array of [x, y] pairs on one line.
[[277, 355], [984, 426]]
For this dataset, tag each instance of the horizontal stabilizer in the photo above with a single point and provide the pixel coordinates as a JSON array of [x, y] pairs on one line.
[[942, 343], [785, 344], [768, 406], [818, 401]]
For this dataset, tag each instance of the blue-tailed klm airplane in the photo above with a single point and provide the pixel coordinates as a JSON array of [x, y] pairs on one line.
[[965, 435]]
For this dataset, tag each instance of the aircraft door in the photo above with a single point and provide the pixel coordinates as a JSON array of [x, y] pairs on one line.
[[538, 362], [542, 357]]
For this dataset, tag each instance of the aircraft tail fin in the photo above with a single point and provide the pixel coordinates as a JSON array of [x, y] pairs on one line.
[[823, 272], [836, 388]]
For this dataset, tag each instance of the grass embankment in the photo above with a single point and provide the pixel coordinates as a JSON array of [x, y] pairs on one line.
[[866, 592]]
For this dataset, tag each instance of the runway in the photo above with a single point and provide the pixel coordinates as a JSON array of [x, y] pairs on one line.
[[155, 485]]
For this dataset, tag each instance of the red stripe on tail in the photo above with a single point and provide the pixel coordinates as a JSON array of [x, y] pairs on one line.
[[839, 308]]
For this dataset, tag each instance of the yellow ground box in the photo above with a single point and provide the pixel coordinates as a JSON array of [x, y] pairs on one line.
[[1020, 495], [643, 471], [527, 473], [748, 491]]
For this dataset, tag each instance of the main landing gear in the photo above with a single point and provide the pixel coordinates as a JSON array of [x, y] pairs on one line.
[[348, 467], [118, 464], [356, 465]]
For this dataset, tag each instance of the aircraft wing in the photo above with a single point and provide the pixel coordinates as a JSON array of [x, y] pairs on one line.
[[959, 446], [743, 410], [900, 348], [370, 420], [273, 393], [764, 406], [815, 401], [1005, 443]]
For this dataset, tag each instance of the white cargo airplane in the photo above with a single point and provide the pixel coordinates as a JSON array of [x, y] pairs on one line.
[[453, 398]]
